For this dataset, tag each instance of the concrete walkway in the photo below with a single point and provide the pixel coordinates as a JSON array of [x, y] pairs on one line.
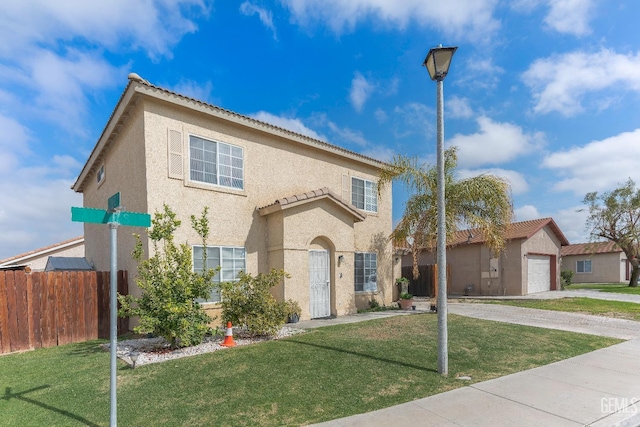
[[598, 389], [583, 293]]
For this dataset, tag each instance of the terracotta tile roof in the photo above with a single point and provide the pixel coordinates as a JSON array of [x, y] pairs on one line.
[[590, 248], [297, 199], [516, 230], [45, 249]]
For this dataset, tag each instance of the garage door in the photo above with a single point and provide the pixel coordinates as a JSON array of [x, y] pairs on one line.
[[539, 276]]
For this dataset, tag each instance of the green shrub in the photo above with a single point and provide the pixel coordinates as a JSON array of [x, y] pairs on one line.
[[170, 288], [566, 278], [248, 303]]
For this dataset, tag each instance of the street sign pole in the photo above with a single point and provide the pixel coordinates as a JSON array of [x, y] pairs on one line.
[[113, 226], [114, 216]]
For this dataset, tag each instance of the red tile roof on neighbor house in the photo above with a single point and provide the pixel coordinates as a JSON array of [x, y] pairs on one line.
[[516, 230], [590, 248]]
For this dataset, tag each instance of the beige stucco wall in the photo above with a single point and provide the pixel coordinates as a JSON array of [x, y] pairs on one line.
[[124, 173], [274, 167], [605, 268]]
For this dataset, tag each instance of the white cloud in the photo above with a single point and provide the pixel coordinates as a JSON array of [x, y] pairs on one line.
[[469, 19], [458, 108], [561, 82], [14, 144], [494, 143], [570, 16], [152, 25], [526, 213], [348, 135], [517, 181], [414, 117], [294, 125], [197, 90], [361, 90], [564, 16], [380, 115], [480, 73], [572, 222], [379, 152], [599, 165], [266, 17]]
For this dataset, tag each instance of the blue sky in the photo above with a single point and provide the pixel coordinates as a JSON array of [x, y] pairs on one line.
[[543, 92]]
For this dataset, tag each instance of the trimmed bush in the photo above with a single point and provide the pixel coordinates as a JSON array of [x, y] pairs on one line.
[[248, 303]]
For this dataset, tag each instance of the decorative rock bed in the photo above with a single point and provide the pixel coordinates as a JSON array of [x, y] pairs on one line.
[[155, 350]]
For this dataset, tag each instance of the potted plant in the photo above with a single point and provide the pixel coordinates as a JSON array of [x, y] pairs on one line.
[[406, 301], [293, 311], [403, 282]]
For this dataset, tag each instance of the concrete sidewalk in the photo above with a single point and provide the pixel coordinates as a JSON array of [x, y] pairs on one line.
[[601, 388]]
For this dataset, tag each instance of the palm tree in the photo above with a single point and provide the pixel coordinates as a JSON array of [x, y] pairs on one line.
[[482, 202]]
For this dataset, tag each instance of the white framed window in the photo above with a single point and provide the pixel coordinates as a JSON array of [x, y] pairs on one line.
[[583, 266], [364, 194], [100, 175], [217, 163], [232, 260], [366, 272]]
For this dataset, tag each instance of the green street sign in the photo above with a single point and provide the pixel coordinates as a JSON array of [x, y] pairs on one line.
[[98, 216], [113, 202], [133, 219]]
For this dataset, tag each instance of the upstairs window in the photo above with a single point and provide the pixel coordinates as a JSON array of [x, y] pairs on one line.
[[366, 272], [100, 175], [230, 259], [364, 194], [583, 266], [216, 163]]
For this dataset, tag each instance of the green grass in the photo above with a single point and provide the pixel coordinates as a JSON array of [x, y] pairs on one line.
[[618, 309], [620, 288], [323, 374]]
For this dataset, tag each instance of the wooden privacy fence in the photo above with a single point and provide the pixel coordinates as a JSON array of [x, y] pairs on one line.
[[55, 308], [425, 285]]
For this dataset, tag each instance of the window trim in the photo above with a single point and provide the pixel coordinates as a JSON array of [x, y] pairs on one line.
[[205, 184], [584, 261], [218, 277], [364, 272], [373, 189], [101, 174]]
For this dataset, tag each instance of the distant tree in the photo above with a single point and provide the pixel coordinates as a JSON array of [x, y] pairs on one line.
[[615, 216], [482, 202]]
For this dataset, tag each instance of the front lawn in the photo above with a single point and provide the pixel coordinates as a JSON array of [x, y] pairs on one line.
[[323, 374], [618, 309], [620, 288]]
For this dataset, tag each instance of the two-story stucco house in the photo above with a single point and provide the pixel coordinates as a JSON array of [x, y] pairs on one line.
[[276, 199]]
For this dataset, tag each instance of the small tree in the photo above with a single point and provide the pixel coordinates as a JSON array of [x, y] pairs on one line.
[[248, 303], [615, 216], [170, 288]]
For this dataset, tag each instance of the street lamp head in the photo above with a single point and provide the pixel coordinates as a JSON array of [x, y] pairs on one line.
[[438, 60]]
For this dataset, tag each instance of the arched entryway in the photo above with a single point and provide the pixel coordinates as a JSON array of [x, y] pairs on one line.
[[320, 278]]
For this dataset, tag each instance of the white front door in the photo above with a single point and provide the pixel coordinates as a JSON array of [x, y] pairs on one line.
[[539, 273], [319, 284]]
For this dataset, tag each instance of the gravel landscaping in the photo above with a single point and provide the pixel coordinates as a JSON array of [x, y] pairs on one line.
[[155, 350]]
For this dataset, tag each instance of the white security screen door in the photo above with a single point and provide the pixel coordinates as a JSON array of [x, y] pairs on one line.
[[319, 284]]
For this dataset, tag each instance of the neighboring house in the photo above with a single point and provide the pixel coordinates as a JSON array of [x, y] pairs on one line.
[[36, 260], [276, 199], [530, 262], [596, 262]]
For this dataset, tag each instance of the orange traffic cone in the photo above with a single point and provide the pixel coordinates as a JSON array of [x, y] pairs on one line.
[[228, 337]]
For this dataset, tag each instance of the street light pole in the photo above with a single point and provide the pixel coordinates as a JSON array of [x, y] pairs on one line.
[[437, 63]]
